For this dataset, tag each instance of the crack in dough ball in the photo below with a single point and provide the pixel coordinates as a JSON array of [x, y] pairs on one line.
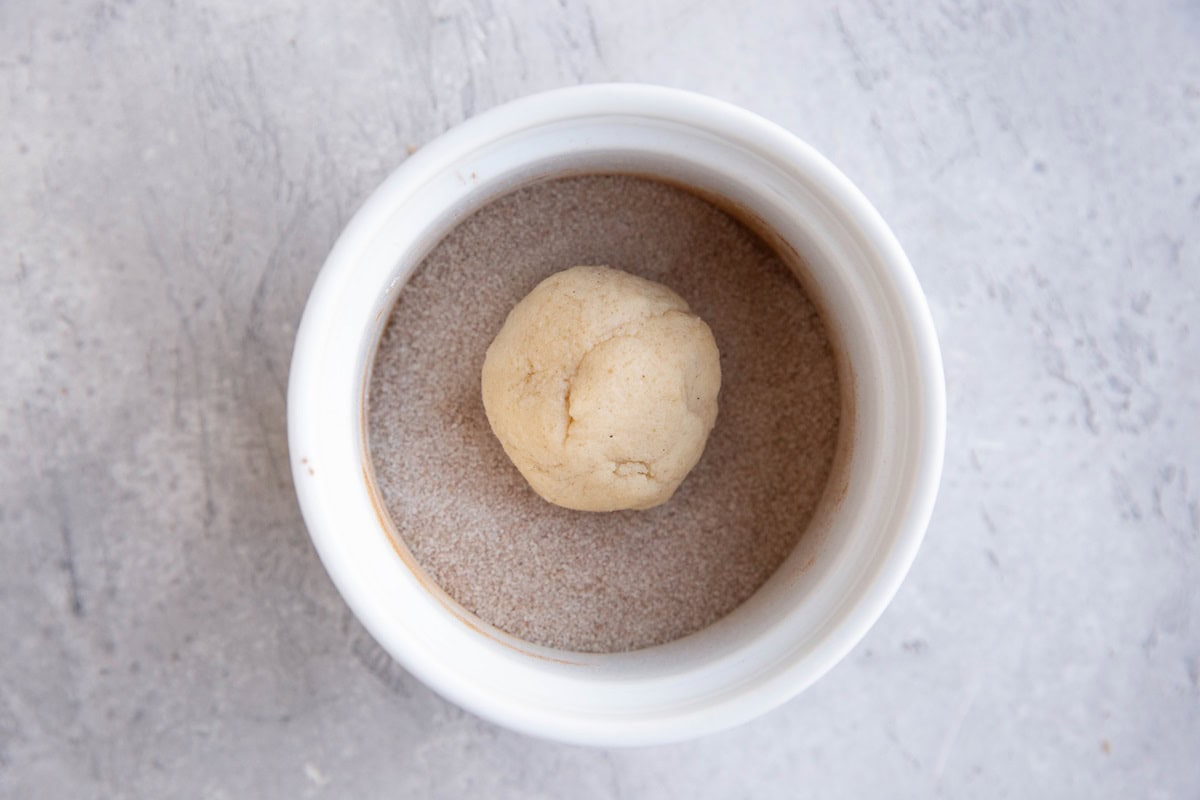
[[602, 388]]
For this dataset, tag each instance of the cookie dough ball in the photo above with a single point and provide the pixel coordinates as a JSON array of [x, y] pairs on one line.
[[602, 388]]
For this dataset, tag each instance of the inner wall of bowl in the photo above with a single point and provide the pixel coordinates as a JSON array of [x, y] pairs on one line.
[[779, 621]]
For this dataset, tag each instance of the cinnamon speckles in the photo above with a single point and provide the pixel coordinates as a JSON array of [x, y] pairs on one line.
[[628, 579]]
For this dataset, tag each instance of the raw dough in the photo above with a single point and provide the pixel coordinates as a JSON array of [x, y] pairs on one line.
[[602, 388]]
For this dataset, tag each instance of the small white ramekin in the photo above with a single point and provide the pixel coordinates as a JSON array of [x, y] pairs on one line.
[[866, 534]]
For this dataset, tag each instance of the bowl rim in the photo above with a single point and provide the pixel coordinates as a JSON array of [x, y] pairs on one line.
[[735, 124]]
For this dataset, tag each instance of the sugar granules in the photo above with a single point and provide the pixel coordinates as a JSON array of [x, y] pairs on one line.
[[620, 581]]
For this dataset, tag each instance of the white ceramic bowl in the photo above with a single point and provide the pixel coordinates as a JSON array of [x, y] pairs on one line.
[[823, 598]]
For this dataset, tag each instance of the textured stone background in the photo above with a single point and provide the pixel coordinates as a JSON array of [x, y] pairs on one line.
[[171, 177]]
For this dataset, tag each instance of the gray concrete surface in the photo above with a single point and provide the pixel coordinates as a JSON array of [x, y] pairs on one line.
[[171, 177]]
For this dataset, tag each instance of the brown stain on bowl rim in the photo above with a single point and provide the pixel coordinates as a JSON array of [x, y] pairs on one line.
[[387, 528]]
